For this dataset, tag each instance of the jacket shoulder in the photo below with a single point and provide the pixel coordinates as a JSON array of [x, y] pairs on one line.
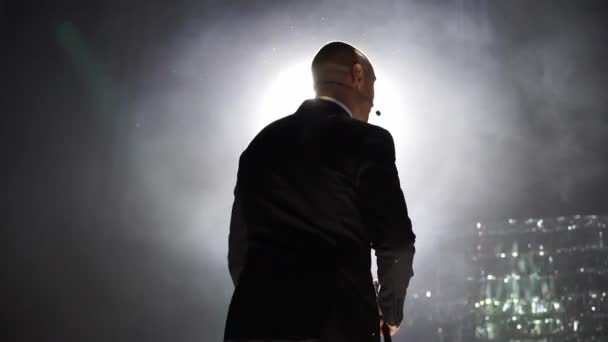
[[270, 131], [377, 143]]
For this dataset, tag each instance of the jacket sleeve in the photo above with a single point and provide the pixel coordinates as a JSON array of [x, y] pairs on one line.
[[237, 237], [237, 241], [385, 213]]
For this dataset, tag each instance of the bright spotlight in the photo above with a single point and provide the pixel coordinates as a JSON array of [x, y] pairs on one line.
[[289, 87], [292, 84]]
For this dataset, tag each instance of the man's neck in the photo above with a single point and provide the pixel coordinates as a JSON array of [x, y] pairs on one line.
[[338, 102]]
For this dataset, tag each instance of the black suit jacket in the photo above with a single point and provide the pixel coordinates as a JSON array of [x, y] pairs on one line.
[[315, 191]]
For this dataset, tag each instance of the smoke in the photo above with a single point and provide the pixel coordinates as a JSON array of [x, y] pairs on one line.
[[497, 110], [492, 118]]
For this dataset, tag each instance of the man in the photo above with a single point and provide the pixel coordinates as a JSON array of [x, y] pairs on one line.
[[315, 191]]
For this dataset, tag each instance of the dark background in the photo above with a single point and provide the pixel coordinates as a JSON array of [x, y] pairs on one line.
[[122, 122]]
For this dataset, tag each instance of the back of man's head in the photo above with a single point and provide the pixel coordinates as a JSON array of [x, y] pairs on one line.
[[335, 60]]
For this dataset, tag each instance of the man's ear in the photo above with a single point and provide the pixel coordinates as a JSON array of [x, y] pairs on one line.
[[358, 76]]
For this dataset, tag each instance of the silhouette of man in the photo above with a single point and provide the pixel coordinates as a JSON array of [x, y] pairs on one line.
[[315, 192]]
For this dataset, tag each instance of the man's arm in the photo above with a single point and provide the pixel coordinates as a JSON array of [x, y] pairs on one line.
[[385, 213], [237, 240]]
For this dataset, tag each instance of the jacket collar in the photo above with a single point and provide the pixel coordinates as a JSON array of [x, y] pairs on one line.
[[323, 106], [338, 102]]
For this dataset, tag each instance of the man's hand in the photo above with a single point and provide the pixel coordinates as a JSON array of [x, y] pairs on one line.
[[393, 329]]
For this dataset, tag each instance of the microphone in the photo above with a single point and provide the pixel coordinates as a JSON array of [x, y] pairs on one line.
[[347, 86]]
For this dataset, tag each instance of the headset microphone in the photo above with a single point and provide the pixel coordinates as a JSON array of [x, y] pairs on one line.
[[345, 85]]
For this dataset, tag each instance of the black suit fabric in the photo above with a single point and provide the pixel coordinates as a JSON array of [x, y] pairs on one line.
[[316, 191]]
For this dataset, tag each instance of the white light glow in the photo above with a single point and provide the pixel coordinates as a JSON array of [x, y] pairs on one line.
[[397, 115], [288, 88], [292, 84]]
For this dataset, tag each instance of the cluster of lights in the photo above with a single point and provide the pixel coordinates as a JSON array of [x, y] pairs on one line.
[[536, 306], [516, 309], [427, 294], [506, 279], [532, 225], [515, 254]]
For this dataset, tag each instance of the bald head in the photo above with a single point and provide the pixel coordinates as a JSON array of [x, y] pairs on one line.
[[343, 72], [336, 59]]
